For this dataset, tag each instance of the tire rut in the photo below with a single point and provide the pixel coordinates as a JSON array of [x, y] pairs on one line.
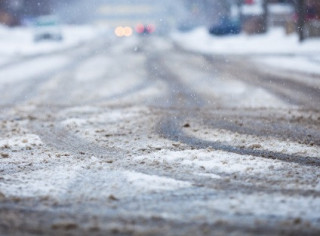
[[184, 100], [292, 92], [62, 140], [26, 90]]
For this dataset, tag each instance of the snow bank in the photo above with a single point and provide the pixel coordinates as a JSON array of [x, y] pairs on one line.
[[274, 42], [275, 48], [19, 41], [146, 182]]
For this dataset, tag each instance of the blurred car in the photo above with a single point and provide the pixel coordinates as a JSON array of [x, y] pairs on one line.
[[145, 29], [123, 31], [226, 26], [47, 28]]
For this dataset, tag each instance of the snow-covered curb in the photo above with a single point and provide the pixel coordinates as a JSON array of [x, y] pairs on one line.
[[274, 48], [19, 41], [274, 42]]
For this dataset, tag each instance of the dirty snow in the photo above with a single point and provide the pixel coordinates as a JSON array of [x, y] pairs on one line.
[[58, 178], [122, 159], [220, 165], [251, 141], [268, 204], [49, 180], [21, 142]]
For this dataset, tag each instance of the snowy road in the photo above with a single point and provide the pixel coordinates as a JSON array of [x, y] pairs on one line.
[[139, 137]]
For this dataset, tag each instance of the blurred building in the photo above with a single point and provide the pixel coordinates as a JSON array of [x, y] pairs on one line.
[[280, 13], [161, 15], [312, 18], [9, 11], [13, 12]]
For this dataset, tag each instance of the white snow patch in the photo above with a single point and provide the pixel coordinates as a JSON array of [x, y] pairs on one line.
[[209, 175], [80, 110], [215, 162], [73, 180], [144, 182], [73, 122], [111, 116], [49, 181], [116, 115]]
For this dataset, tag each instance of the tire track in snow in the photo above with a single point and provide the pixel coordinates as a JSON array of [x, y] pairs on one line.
[[184, 99], [172, 129], [23, 91], [291, 91]]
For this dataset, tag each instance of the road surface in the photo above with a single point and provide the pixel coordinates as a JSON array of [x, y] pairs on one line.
[[137, 136]]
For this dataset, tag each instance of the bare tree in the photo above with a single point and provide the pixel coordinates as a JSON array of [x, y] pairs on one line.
[[265, 16], [301, 19]]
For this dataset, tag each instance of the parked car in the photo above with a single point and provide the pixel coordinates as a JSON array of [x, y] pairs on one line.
[[226, 26], [47, 28]]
